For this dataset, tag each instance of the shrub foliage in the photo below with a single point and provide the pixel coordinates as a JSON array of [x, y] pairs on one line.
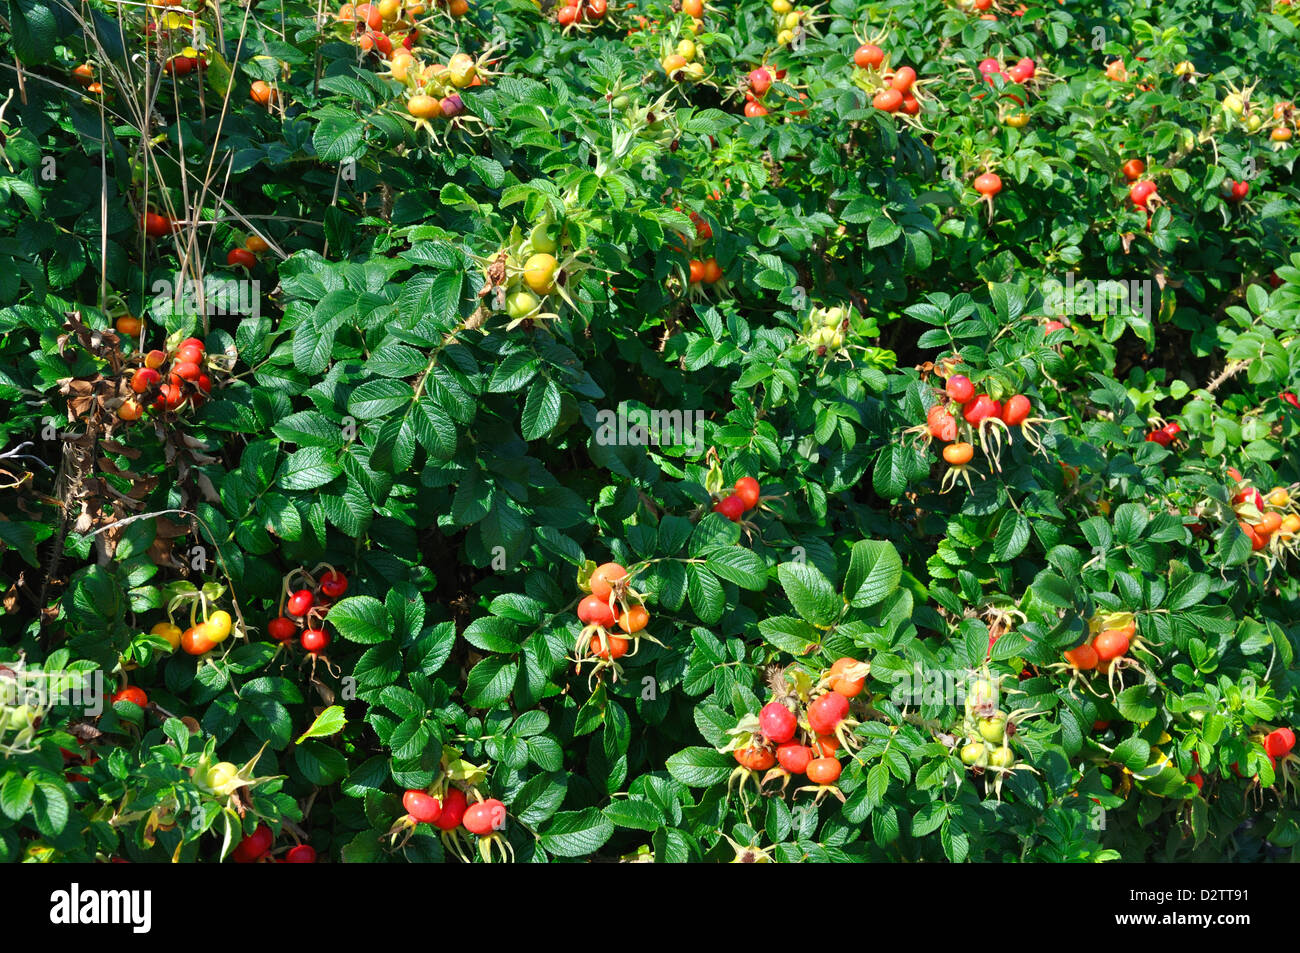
[[431, 335]]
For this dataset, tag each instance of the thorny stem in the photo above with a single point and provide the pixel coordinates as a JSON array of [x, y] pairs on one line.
[[1233, 369]]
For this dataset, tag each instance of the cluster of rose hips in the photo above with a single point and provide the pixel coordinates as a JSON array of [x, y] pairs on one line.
[[185, 62], [1277, 744], [683, 62], [986, 731], [453, 810], [759, 82], [435, 87], [245, 256], [755, 87], [693, 9], [85, 76], [306, 607], [1142, 193], [789, 21], [801, 731], [1165, 435], [893, 91], [257, 847], [199, 638], [1284, 114], [188, 60], [186, 382], [572, 13], [1110, 638], [523, 274], [706, 271], [366, 23], [740, 501], [700, 270], [612, 602], [1019, 73], [824, 329], [448, 808], [1239, 110], [1265, 518], [947, 421], [1235, 191]]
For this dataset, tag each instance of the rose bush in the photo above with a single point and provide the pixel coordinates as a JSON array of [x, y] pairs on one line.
[[673, 431]]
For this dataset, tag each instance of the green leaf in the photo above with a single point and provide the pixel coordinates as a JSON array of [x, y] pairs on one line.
[[1189, 591], [308, 468], [361, 619], [490, 682], [493, 634], [700, 767], [739, 565], [811, 594], [577, 833], [1137, 704], [707, 598], [889, 478], [337, 135], [875, 570], [16, 794], [1130, 520], [790, 634], [51, 808], [329, 722], [538, 799], [319, 763], [1012, 536], [635, 813], [1133, 753], [380, 397], [541, 409], [434, 428], [881, 232]]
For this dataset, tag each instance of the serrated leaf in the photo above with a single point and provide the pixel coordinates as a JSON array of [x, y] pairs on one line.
[[700, 767], [577, 833], [811, 594], [875, 570], [329, 722]]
